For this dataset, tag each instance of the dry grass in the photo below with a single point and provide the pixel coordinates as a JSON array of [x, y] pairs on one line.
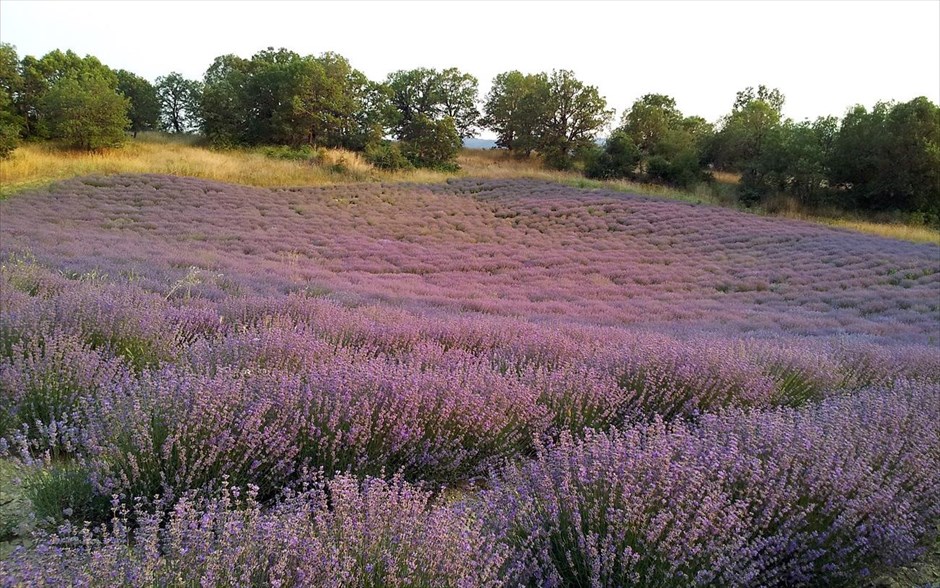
[[34, 165], [789, 207], [727, 177], [496, 164], [37, 164], [917, 234]]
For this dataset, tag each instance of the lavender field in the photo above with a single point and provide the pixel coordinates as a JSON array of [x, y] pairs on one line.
[[477, 383]]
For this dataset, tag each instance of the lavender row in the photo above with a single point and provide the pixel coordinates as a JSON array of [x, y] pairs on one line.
[[825, 495], [336, 534], [820, 496], [265, 401], [516, 248]]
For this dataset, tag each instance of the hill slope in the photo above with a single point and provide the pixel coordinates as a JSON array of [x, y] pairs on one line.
[[680, 379]]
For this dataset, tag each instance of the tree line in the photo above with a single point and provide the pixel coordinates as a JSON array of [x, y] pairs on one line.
[[883, 158]]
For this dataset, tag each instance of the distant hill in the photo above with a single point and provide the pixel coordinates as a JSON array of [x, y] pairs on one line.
[[474, 143]]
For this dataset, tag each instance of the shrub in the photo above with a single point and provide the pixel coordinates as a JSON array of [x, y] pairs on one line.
[[64, 492], [820, 496], [439, 424], [173, 432], [387, 155], [431, 143], [86, 113], [42, 386], [618, 159], [337, 534]]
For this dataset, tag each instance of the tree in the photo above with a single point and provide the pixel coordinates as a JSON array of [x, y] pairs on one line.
[[427, 93], [796, 156], [10, 126], [772, 97], [754, 122], [516, 108], [39, 75], [280, 97], [336, 105], [11, 82], [671, 146], [179, 102], [225, 109], [619, 158], [457, 96], [433, 111], [676, 158], [914, 146], [144, 112], [85, 113], [754, 116], [700, 130], [413, 95], [575, 114], [374, 116], [431, 143], [889, 157], [32, 87], [649, 119]]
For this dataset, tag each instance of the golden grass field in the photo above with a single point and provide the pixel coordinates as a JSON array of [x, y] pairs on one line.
[[35, 164]]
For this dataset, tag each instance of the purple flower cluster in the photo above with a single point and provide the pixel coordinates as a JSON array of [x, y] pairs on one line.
[[822, 496], [336, 534], [650, 392], [787, 497], [43, 386]]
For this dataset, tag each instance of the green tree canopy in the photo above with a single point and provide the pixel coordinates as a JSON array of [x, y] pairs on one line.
[[795, 158], [10, 126], [747, 137], [11, 80], [85, 112], [618, 159], [516, 108], [144, 112], [457, 94], [38, 76], [744, 132], [179, 103], [656, 143], [649, 119], [11, 83], [576, 113], [430, 142], [433, 95], [336, 105], [280, 97], [225, 104], [889, 157]]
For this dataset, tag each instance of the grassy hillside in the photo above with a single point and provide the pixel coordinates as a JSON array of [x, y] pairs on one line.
[[35, 165]]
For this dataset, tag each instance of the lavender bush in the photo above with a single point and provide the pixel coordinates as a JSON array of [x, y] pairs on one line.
[[335, 534], [42, 385], [822, 496], [828, 495]]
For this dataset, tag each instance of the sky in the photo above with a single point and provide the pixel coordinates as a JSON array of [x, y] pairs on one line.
[[824, 56]]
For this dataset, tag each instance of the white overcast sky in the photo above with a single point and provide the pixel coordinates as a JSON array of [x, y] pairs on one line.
[[824, 56]]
